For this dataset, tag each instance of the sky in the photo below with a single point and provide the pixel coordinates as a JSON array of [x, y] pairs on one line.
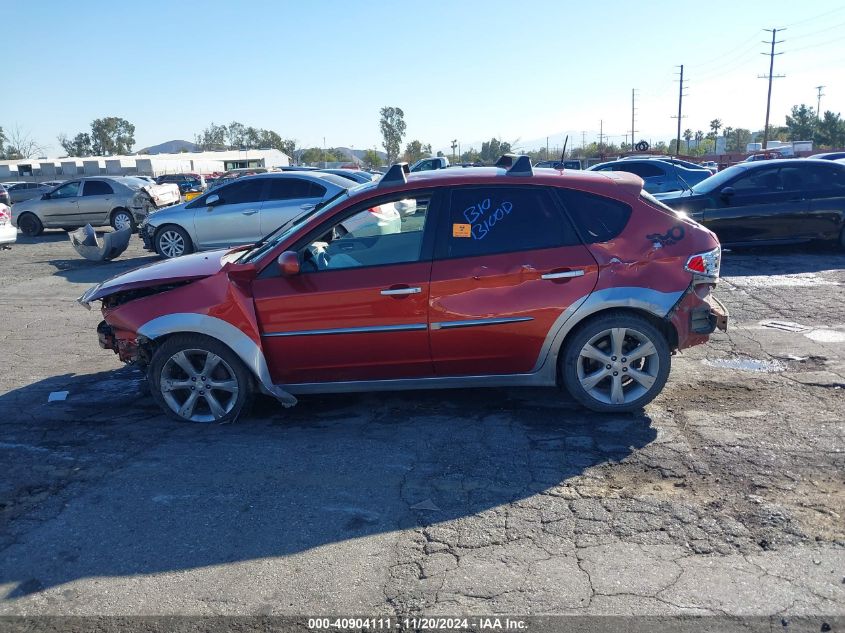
[[466, 70]]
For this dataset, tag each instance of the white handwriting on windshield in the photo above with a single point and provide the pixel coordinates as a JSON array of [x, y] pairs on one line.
[[483, 217]]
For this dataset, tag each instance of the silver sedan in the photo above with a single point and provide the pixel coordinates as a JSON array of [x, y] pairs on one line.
[[120, 201], [240, 212]]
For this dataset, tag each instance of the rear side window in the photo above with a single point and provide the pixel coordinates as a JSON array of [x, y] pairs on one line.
[[489, 220], [598, 219], [96, 188], [643, 170]]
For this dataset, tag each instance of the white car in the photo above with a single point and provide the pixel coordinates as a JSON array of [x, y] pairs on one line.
[[8, 232]]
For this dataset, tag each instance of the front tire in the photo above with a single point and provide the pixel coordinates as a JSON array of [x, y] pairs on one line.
[[30, 225], [121, 219], [195, 378], [616, 362], [172, 241]]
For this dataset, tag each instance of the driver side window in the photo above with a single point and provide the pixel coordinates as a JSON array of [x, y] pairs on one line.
[[70, 190], [388, 233]]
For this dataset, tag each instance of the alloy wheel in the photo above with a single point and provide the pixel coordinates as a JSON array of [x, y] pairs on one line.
[[171, 243], [618, 365], [198, 385]]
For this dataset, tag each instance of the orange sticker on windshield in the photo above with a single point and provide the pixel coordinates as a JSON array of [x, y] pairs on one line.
[[461, 230]]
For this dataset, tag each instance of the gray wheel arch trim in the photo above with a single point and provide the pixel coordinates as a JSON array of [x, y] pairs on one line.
[[244, 347], [652, 301]]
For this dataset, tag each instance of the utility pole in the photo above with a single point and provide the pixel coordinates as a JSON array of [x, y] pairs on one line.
[[547, 147], [454, 147], [633, 111], [770, 76], [601, 136], [680, 116], [819, 102], [583, 139]]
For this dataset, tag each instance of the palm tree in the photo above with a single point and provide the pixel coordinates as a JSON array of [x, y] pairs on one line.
[[727, 133], [715, 125], [687, 137]]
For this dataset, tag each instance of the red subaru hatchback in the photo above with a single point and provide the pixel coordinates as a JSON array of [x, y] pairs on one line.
[[489, 277]]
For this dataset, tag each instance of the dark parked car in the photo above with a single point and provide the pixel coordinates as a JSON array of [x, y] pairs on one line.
[[829, 156], [658, 176], [777, 202]]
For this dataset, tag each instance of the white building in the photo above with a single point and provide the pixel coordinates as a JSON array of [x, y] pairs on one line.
[[147, 164]]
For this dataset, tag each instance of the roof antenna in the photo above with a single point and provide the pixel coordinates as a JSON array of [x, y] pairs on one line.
[[563, 153]]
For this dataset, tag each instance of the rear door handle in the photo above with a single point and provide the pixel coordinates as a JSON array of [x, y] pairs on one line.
[[393, 292], [565, 274], [249, 212]]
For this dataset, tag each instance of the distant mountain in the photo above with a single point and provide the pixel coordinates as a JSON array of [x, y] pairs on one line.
[[170, 147], [358, 153]]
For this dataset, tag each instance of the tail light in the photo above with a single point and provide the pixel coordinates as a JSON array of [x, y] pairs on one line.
[[705, 265], [5, 216]]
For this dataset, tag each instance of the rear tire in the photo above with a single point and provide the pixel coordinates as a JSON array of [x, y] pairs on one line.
[[121, 219], [30, 225], [172, 241], [615, 362], [195, 378]]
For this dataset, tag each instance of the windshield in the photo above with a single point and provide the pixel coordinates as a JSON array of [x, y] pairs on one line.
[[269, 242], [712, 183]]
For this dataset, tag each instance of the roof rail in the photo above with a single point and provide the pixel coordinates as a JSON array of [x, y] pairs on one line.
[[396, 175], [516, 164]]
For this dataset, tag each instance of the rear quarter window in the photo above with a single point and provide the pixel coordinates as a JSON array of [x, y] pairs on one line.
[[596, 218], [503, 219]]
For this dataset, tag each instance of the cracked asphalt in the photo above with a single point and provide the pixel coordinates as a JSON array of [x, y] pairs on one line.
[[725, 496]]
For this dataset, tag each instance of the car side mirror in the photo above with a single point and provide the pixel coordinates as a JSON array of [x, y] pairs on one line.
[[727, 192], [212, 200], [288, 263]]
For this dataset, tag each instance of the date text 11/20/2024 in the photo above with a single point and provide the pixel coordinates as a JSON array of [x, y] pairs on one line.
[[418, 624]]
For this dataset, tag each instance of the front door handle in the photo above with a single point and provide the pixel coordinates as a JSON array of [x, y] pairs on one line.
[[565, 274], [394, 292], [249, 212]]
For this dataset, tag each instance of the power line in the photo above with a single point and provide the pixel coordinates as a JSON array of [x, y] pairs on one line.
[[815, 17], [814, 33], [770, 76], [837, 40]]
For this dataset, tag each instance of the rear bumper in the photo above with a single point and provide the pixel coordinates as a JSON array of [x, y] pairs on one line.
[[696, 317]]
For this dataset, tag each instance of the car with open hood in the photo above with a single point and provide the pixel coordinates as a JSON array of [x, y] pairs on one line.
[[500, 276]]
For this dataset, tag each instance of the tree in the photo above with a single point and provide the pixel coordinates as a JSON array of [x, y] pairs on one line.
[[727, 135], [802, 123], [699, 136], [212, 137], [830, 131], [715, 126], [79, 146], [414, 151], [18, 143], [491, 150], [111, 135], [371, 158], [739, 140], [687, 137], [392, 124]]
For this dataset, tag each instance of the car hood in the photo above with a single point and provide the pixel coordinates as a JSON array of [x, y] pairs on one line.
[[185, 268], [157, 216]]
